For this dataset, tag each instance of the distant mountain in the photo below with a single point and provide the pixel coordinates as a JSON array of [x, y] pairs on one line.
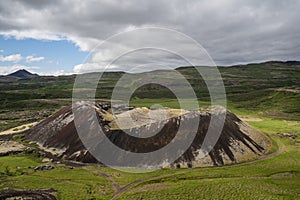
[[22, 74]]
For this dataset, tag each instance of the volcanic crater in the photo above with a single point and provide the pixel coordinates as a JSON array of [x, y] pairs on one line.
[[147, 130]]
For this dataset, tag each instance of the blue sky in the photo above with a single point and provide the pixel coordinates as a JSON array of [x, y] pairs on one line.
[[58, 56], [58, 35]]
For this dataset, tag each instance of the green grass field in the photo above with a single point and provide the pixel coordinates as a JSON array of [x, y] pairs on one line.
[[262, 93], [275, 177]]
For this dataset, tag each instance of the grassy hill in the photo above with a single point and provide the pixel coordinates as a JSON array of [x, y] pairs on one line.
[[265, 95], [271, 89]]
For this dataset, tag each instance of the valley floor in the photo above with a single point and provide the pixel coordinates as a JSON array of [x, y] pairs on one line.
[[274, 176]]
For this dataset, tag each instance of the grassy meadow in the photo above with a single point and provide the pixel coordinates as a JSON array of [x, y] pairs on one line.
[[265, 95]]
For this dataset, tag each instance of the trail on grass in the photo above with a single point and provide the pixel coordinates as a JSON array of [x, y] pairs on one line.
[[114, 184], [119, 190], [18, 129], [129, 186]]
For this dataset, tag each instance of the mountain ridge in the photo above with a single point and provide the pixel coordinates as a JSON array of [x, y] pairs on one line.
[[23, 74]]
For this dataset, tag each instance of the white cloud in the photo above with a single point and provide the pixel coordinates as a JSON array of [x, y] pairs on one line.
[[30, 59], [32, 34], [133, 51], [55, 73], [11, 58], [84, 43], [13, 68], [232, 31], [92, 67]]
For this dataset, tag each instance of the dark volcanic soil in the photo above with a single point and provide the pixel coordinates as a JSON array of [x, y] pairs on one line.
[[57, 134], [28, 194]]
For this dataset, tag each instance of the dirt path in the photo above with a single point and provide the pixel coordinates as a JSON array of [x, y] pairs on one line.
[[18, 129], [129, 186], [251, 119], [114, 184], [121, 190]]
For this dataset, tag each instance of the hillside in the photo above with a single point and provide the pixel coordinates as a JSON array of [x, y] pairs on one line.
[[264, 96], [238, 141], [258, 88]]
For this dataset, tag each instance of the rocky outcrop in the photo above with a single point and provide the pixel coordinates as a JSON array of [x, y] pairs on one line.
[[46, 194], [238, 141], [10, 147]]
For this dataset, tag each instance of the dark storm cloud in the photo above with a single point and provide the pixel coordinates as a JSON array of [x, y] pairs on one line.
[[232, 31]]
